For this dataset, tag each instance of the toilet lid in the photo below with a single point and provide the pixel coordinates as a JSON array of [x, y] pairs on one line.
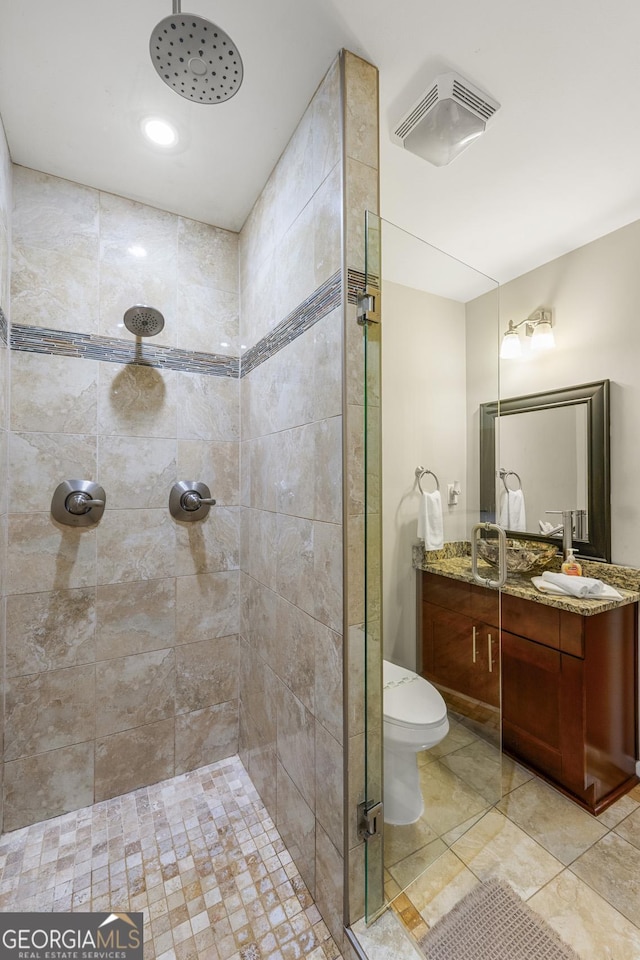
[[410, 700]]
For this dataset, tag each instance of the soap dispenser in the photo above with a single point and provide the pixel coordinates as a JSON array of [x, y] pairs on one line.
[[571, 567]]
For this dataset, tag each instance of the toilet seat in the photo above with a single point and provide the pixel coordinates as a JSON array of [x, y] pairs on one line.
[[409, 700]]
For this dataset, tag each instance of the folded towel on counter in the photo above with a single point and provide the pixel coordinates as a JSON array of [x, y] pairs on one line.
[[560, 584], [549, 529], [512, 511], [430, 526]]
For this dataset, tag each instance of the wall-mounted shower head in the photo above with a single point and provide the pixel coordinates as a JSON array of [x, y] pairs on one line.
[[143, 321], [196, 58]]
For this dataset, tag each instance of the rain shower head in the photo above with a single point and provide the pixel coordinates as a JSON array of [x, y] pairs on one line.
[[143, 321], [196, 58]]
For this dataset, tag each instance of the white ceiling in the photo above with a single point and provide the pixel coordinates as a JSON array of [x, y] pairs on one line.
[[558, 166]]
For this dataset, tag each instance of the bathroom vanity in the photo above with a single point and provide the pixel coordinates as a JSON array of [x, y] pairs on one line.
[[568, 683]]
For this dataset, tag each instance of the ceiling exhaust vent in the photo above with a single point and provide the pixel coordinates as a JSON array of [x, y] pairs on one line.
[[445, 120]]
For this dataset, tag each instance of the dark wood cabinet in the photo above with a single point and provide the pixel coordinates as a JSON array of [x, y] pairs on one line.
[[567, 683]]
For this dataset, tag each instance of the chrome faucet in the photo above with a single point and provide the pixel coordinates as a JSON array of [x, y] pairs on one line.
[[567, 530]]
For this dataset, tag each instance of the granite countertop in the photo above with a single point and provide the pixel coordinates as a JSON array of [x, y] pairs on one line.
[[454, 561]]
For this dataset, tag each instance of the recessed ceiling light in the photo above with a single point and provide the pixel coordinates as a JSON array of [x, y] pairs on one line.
[[136, 251], [159, 132]]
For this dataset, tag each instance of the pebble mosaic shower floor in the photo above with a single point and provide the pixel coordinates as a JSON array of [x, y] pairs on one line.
[[198, 855]]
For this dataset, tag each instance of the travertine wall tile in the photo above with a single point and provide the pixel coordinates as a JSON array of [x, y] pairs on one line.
[[40, 461], [134, 758], [47, 785], [136, 545], [132, 691], [206, 673], [329, 786], [135, 617], [48, 631], [45, 555], [297, 825], [137, 471], [205, 736], [210, 545], [49, 710], [296, 743], [295, 661], [214, 463], [53, 394], [137, 401], [207, 606]]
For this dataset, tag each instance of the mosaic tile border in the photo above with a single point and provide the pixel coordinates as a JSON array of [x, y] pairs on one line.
[[113, 350], [4, 329], [321, 302], [87, 346]]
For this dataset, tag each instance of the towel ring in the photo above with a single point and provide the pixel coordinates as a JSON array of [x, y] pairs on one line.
[[509, 473], [420, 473]]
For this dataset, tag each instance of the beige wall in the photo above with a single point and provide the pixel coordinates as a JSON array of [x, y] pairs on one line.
[[594, 293], [121, 640], [5, 241], [423, 423]]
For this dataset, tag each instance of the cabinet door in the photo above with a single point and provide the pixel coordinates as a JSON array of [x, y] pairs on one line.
[[455, 653], [531, 695]]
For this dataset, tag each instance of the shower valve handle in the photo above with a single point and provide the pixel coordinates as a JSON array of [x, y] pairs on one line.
[[191, 500], [79, 503]]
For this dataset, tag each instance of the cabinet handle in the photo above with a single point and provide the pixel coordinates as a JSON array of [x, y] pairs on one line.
[[490, 652], [474, 644]]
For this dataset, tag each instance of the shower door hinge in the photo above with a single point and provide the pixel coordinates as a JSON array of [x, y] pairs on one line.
[[370, 819], [368, 307]]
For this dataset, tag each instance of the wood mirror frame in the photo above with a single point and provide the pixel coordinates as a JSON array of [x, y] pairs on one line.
[[596, 397]]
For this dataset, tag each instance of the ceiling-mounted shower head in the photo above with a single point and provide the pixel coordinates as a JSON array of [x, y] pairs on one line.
[[143, 321], [196, 58]]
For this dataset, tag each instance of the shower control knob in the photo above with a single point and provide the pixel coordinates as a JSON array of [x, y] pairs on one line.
[[193, 501], [190, 500], [78, 503]]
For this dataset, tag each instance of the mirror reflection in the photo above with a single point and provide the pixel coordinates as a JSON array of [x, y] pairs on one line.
[[543, 460]]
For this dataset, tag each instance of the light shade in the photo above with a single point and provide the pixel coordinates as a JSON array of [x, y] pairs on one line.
[[510, 348], [542, 337], [447, 130]]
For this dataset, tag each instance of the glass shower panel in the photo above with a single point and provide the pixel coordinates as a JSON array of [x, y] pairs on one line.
[[369, 311], [431, 361]]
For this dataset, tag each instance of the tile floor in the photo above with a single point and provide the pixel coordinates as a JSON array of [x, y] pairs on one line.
[[581, 873], [198, 855]]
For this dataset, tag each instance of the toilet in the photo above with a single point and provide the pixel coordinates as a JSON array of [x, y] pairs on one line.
[[415, 718]]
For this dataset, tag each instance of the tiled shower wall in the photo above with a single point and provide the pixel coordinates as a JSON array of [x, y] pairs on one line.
[[121, 639], [293, 280], [5, 240]]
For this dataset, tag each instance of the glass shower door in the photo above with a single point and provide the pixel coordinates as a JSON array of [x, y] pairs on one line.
[[369, 318], [431, 340]]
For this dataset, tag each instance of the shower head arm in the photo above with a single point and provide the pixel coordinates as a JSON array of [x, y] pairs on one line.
[[176, 6]]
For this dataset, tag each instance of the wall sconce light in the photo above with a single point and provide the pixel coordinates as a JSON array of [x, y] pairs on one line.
[[539, 326]]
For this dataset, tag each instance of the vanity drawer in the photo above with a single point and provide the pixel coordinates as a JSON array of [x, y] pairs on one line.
[[532, 620], [446, 592], [485, 605]]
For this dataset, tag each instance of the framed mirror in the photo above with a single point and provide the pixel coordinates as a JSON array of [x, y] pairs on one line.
[[554, 446]]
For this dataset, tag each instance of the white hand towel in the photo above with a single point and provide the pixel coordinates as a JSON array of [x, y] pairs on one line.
[[430, 526], [545, 586], [580, 586], [512, 511]]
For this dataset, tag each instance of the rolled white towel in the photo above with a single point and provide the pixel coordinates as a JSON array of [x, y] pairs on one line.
[[430, 524], [580, 586]]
